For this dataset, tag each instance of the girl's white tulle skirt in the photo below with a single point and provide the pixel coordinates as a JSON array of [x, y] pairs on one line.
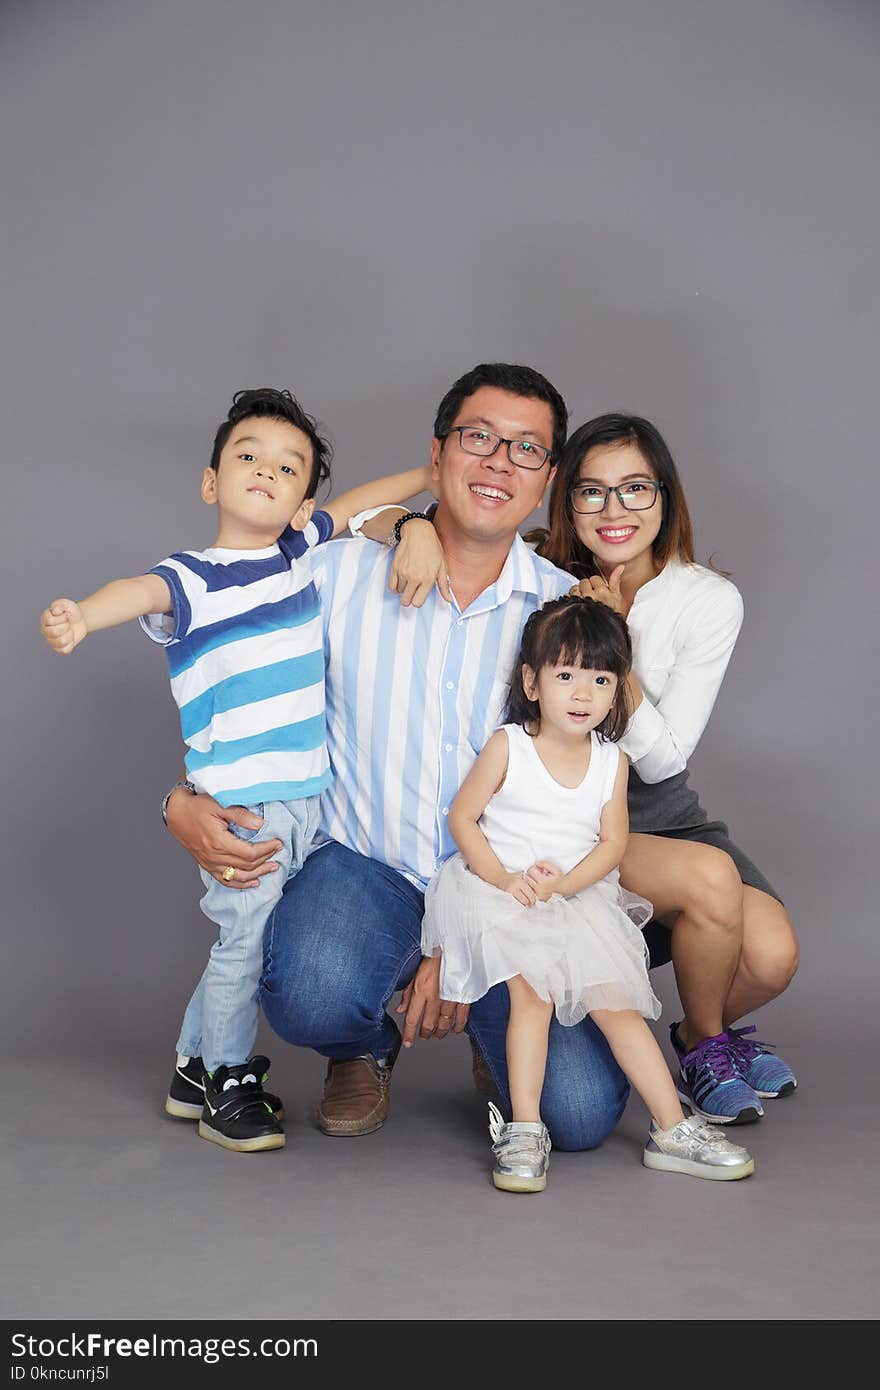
[[581, 953]]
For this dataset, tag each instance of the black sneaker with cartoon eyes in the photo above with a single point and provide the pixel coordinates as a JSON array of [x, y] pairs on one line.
[[236, 1114], [186, 1094]]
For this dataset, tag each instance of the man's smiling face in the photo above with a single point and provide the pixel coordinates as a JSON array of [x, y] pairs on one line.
[[486, 496]]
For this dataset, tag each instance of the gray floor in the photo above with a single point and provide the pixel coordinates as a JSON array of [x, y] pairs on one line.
[[112, 1210]]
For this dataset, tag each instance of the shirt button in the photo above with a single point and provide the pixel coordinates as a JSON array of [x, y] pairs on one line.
[[446, 810], [449, 747], [450, 685]]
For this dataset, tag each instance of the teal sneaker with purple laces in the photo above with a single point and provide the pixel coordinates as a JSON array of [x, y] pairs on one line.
[[769, 1077], [711, 1083]]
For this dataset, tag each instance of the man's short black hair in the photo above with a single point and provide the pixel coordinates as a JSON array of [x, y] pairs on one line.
[[264, 402], [519, 381]]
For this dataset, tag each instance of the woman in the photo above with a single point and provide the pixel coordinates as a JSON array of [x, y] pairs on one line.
[[619, 521], [618, 518]]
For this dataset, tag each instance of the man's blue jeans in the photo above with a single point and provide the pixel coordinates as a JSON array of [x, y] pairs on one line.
[[346, 935]]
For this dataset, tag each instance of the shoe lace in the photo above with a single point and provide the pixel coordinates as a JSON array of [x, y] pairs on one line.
[[714, 1055], [747, 1050]]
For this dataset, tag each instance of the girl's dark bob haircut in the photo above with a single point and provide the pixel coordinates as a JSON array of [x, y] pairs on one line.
[[574, 632]]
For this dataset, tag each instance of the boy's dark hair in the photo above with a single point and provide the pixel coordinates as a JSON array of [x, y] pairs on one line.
[[264, 402], [574, 632], [519, 381]]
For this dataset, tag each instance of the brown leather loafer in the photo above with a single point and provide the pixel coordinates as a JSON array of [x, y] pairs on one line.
[[484, 1082], [356, 1095]]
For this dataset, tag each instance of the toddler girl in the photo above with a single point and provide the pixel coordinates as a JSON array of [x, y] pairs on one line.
[[534, 898]]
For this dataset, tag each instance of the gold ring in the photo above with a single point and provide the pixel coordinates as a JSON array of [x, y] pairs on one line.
[[228, 874]]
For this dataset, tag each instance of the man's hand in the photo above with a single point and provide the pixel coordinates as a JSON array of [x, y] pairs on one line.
[[63, 625], [519, 887], [419, 564], [545, 878], [427, 1014], [202, 827], [602, 590]]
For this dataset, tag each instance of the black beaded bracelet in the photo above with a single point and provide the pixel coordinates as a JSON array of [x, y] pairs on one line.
[[402, 520]]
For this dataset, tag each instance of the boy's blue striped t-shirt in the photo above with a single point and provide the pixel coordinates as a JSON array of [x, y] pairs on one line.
[[244, 644]]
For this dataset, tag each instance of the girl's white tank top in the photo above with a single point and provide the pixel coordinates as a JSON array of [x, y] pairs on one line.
[[534, 817]]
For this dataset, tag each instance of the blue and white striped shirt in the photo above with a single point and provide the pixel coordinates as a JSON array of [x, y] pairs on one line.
[[412, 696], [244, 649]]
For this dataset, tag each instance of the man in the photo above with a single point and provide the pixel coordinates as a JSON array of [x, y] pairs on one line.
[[412, 695]]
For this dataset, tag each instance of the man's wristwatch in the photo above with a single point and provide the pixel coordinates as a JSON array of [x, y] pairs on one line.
[[183, 782], [402, 520]]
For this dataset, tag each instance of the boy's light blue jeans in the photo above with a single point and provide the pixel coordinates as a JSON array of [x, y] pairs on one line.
[[220, 1023]]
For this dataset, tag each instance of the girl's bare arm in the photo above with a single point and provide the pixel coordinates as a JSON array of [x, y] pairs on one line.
[[485, 778]]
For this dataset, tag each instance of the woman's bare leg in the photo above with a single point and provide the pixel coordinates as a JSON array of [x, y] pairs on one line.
[[769, 957], [699, 887], [714, 918], [527, 1033]]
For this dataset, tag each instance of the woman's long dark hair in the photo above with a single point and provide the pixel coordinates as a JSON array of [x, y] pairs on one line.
[[574, 632], [559, 543]]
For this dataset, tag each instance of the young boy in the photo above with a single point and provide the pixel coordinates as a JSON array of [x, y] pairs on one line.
[[241, 627]]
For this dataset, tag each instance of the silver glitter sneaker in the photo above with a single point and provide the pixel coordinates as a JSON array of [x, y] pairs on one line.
[[695, 1148], [522, 1153]]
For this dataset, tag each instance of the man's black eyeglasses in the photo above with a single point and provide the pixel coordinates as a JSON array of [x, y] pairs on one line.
[[524, 453]]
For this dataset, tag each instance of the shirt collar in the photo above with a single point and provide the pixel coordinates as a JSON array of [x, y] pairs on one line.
[[525, 571], [521, 574], [657, 586]]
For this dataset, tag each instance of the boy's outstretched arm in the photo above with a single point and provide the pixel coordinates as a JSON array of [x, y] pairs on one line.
[[65, 623], [397, 487]]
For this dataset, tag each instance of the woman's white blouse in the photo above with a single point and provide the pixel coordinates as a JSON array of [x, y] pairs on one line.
[[684, 625]]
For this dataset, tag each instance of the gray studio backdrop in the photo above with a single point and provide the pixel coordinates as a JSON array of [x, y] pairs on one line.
[[670, 208]]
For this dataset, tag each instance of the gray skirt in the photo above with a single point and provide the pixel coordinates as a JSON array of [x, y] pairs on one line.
[[673, 809]]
